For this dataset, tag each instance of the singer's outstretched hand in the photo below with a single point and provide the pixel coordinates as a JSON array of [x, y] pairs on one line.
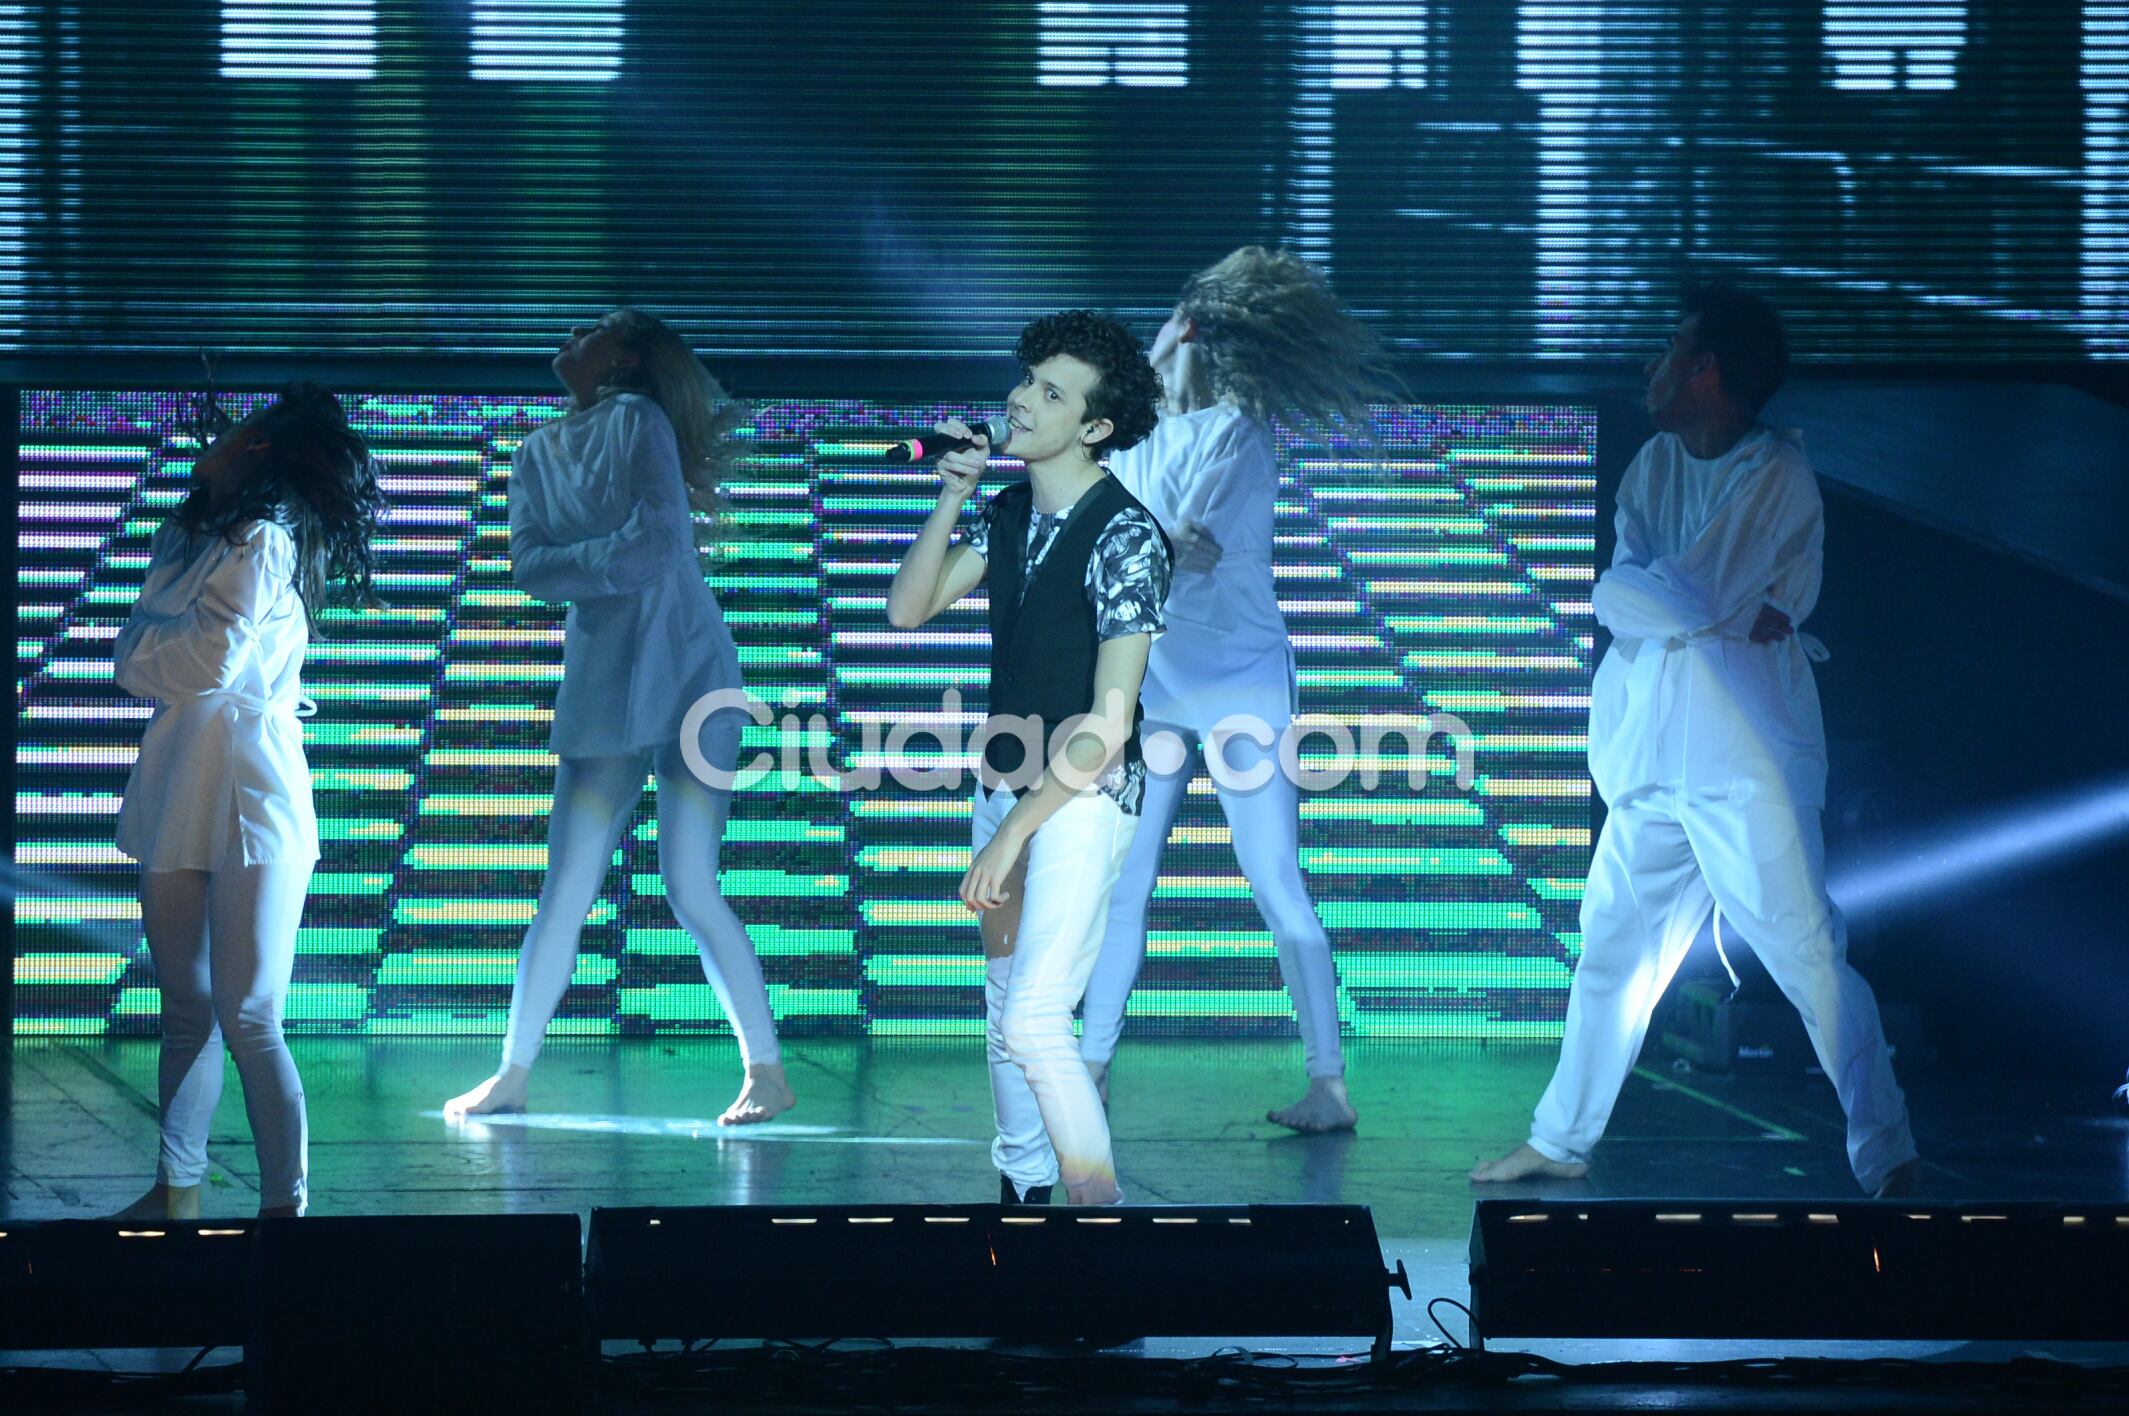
[[959, 472]]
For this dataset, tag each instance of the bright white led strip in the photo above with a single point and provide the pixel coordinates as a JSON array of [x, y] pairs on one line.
[[299, 39], [1888, 44], [1083, 44], [2103, 253], [1352, 46], [18, 59], [1370, 46], [547, 41], [1559, 57]]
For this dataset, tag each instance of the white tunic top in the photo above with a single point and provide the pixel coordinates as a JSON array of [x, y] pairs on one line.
[[599, 517], [1684, 700], [217, 639], [1226, 650]]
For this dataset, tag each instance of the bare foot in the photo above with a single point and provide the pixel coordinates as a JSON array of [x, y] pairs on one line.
[[1099, 1071], [164, 1202], [505, 1091], [1325, 1108], [1526, 1163], [766, 1094]]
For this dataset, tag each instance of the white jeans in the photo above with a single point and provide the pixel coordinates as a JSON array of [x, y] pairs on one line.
[[1264, 825], [1051, 1125], [593, 799], [1663, 862], [224, 944]]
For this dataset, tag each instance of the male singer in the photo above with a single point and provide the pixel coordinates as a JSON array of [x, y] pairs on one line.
[[1077, 571]]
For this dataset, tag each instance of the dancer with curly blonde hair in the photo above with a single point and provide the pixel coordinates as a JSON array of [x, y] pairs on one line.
[[1258, 338]]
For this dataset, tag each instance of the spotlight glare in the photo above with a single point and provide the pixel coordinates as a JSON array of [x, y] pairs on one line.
[[1922, 869]]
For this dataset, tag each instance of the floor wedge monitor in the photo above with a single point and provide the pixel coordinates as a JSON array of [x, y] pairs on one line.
[[1886, 1270], [1031, 1272]]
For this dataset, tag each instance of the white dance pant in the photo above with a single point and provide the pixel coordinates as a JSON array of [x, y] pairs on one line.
[[224, 944], [1264, 824], [1051, 1125], [1665, 860], [593, 799]]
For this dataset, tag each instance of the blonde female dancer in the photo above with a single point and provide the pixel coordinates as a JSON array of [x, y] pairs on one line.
[[600, 517], [218, 807], [1255, 338]]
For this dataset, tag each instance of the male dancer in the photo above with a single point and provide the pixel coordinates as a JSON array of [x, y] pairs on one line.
[[1706, 744], [1078, 571]]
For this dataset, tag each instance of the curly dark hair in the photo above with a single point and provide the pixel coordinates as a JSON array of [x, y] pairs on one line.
[[1745, 335], [313, 474], [1127, 393]]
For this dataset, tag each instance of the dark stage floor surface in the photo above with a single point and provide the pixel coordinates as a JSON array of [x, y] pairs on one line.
[[907, 1121]]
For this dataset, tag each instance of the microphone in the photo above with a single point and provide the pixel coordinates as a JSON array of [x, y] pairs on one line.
[[923, 445]]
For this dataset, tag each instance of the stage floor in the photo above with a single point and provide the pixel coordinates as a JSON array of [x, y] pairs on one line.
[[633, 1124]]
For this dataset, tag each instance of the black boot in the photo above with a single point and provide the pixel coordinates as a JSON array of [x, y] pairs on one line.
[[1008, 1195]]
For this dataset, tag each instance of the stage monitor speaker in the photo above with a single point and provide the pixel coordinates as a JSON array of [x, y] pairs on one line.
[[106, 1283], [418, 1313], [1031, 1273], [1871, 1270]]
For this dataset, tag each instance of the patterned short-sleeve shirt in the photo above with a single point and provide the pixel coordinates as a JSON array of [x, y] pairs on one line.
[[1127, 583]]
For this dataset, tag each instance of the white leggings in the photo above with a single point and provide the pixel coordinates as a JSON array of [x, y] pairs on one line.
[[593, 799], [1265, 826], [224, 944]]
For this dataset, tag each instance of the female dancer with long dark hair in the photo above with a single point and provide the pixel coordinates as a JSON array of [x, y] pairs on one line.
[[601, 515], [1256, 338], [218, 808]]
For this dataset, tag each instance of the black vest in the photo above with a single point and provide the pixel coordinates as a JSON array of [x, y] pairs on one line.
[[1046, 673]]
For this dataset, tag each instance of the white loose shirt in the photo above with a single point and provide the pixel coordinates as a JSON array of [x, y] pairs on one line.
[[217, 639], [1684, 700], [599, 517], [1226, 650]]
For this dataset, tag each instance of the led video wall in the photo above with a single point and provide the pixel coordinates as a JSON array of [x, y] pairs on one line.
[[1514, 180], [1444, 569]]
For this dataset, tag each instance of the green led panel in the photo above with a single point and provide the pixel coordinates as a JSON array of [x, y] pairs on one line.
[[1452, 910]]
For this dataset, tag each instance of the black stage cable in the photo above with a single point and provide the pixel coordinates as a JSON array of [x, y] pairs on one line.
[[1470, 1325], [53, 1388], [835, 1375], [832, 1374]]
